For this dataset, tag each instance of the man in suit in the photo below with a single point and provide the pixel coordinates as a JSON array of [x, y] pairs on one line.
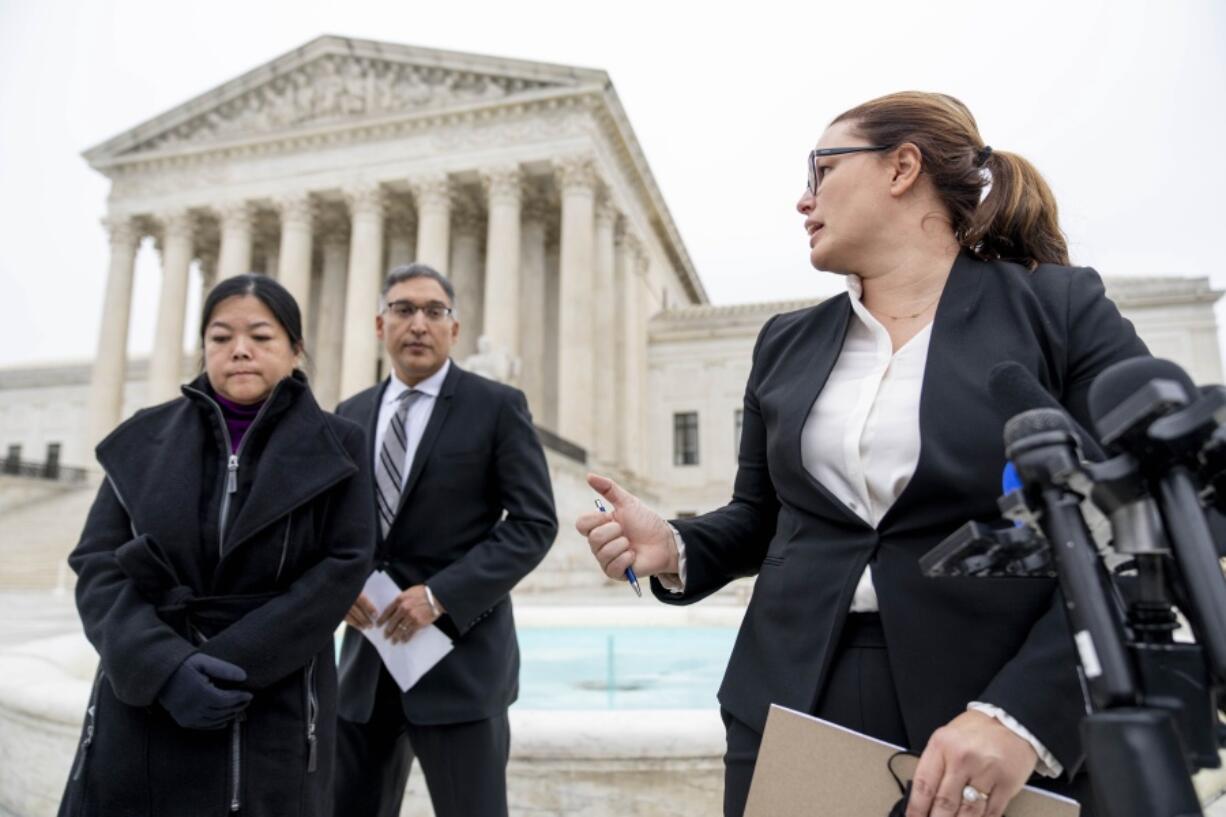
[[465, 510]]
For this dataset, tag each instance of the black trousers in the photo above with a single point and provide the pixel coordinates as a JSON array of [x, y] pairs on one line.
[[860, 695], [465, 764]]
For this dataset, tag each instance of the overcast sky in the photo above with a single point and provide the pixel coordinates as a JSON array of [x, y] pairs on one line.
[[1122, 106]]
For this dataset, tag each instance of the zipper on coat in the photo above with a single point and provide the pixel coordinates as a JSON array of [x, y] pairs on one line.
[[232, 460], [312, 711], [289, 523], [122, 504], [91, 714], [236, 763]]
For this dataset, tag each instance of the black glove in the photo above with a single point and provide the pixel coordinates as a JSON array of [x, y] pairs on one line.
[[192, 699]]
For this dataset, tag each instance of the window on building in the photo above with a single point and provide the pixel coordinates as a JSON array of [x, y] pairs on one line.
[[738, 418], [685, 438], [12, 460], [51, 468]]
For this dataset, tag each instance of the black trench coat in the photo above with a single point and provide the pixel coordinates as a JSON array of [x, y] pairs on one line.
[[253, 559]]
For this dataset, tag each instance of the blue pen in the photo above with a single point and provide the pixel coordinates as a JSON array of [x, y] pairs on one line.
[[630, 577]]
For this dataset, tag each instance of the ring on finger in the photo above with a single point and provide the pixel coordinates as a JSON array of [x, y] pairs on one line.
[[970, 794]]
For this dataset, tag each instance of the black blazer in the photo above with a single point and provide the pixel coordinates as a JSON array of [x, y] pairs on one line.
[[950, 641], [478, 458]]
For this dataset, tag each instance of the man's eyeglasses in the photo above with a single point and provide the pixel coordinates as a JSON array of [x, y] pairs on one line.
[[815, 175], [405, 310]]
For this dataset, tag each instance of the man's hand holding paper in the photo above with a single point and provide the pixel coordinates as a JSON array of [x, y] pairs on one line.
[[407, 653]]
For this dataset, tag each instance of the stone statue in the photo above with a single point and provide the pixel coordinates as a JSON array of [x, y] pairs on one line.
[[496, 364]]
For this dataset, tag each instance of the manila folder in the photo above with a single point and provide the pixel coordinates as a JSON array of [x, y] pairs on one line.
[[808, 766]]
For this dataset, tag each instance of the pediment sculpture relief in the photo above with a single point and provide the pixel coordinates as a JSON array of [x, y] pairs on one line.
[[337, 88]]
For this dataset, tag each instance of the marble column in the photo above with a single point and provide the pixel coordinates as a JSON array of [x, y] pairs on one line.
[[360, 353], [576, 179], [110, 362], [433, 197], [207, 257], [272, 260], [236, 237], [533, 298], [606, 329], [500, 322], [401, 237], [330, 323], [647, 308], [466, 275], [552, 309], [294, 259], [166, 361], [630, 352]]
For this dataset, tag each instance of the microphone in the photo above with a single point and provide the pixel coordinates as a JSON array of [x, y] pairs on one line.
[[1127, 396], [1042, 444], [1145, 407], [1014, 390]]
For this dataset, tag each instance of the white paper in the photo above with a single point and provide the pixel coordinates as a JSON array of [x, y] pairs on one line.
[[408, 661]]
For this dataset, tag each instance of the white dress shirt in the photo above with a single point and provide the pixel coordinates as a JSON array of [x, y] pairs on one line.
[[861, 441], [418, 416]]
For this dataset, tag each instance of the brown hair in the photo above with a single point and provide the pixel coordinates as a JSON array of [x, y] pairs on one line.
[[1016, 221]]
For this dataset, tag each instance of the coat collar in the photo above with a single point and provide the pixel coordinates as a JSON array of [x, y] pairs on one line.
[[153, 462]]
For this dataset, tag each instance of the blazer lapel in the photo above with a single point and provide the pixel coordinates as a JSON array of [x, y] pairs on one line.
[[372, 422], [442, 407], [952, 334], [815, 360]]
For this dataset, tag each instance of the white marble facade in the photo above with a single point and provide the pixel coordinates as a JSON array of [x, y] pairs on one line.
[[524, 183], [521, 181]]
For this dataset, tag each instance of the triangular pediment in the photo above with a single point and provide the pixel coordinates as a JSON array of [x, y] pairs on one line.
[[335, 80]]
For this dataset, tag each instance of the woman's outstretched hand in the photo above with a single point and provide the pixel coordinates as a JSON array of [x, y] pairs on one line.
[[627, 534]]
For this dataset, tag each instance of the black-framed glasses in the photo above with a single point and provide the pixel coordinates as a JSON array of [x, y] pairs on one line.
[[815, 178], [405, 310]]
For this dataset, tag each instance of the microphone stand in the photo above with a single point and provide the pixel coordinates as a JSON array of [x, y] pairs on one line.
[[1139, 688]]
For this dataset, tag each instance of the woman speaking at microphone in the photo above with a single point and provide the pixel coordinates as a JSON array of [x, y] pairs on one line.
[[868, 437], [231, 535]]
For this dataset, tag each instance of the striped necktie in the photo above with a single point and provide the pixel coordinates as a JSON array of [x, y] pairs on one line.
[[388, 477]]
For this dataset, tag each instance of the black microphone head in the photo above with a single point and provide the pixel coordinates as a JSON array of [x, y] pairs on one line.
[[1119, 381], [1037, 421], [1014, 391]]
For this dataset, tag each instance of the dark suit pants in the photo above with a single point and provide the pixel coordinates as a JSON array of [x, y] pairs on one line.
[[465, 764], [861, 696]]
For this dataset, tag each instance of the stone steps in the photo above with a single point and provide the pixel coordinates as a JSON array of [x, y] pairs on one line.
[[36, 538]]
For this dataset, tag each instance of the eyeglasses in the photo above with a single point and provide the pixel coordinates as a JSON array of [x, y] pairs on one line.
[[815, 178], [405, 310]]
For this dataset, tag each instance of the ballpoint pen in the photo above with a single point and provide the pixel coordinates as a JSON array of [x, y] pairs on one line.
[[630, 577]]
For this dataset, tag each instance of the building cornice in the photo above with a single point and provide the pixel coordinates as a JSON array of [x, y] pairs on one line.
[[336, 46], [567, 88]]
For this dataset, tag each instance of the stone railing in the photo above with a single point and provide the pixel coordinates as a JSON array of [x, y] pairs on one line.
[[13, 467], [562, 446]]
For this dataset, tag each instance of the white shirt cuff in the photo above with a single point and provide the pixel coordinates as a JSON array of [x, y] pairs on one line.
[[675, 582], [1048, 766]]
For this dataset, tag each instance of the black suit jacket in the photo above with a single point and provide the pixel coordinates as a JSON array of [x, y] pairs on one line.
[[479, 458], [950, 641]]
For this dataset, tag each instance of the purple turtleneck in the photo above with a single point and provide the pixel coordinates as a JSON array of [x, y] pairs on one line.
[[238, 418]]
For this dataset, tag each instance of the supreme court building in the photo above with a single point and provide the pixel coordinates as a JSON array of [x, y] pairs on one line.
[[521, 181]]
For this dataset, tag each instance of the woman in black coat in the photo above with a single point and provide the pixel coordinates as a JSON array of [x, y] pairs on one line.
[[230, 537]]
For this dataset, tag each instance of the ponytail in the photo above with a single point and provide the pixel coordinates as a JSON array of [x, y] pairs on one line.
[[1017, 220]]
